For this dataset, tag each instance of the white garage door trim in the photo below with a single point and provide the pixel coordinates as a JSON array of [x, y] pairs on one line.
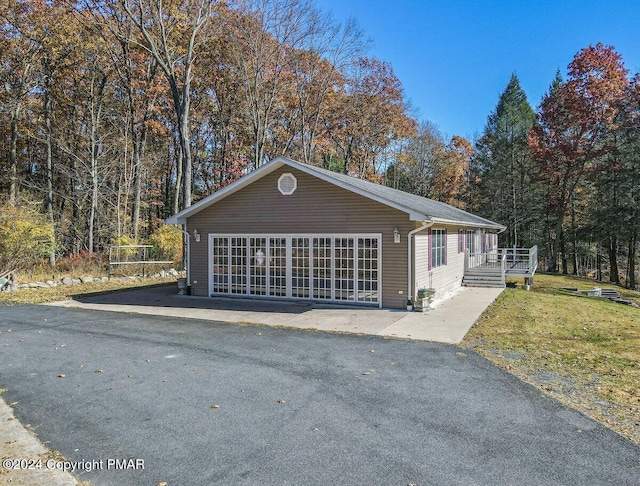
[[336, 267]]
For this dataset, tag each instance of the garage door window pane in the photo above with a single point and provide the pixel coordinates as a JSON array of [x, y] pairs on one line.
[[220, 265], [344, 269], [238, 265], [258, 260], [367, 269], [322, 268], [300, 267], [278, 267]]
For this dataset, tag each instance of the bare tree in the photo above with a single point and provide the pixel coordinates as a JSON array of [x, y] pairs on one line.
[[16, 76], [173, 35], [264, 34], [325, 52]]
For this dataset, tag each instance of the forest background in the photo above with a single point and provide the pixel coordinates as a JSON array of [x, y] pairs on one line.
[[115, 114]]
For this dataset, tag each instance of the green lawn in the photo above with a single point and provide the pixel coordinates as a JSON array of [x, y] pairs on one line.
[[582, 350]]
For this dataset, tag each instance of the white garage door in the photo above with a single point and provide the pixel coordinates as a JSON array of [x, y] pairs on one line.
[[341, 268]]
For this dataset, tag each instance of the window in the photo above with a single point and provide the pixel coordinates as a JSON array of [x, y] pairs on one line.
[[460, 241], [471, 242], [438, 248]]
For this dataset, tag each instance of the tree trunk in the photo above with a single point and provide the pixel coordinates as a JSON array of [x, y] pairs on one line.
[[574, 238], [74, 232], [13, 155], [181, 103], [48, 83], [563, 252], [612, 251], [185, 142], [555, 247], [631, 281], [97, 92], [139, 140], [179, 166], [93, 210]]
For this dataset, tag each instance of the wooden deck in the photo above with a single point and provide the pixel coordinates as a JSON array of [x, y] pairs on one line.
[[491, 269]]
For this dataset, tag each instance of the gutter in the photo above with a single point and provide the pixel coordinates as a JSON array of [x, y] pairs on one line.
[[410, 284], [495, 226]]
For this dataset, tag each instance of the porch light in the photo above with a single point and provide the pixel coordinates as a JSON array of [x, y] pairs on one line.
[[196, 235], [396, 236]]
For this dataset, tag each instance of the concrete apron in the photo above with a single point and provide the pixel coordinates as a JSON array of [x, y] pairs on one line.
[[447, 321]]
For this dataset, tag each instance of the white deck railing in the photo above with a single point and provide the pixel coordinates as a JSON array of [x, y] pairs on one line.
[[510, 261]]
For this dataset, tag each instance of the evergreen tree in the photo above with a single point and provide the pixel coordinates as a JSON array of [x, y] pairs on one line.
[[503, 168], [614, 216]]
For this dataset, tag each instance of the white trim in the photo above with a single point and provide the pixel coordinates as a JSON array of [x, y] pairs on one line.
[[181, 217], [435, 263], [287, 192], [288, 239], [209, 265]]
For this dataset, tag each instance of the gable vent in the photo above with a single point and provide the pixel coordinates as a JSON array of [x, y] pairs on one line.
[[287, 184]]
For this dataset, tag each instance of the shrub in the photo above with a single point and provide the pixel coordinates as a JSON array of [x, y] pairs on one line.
[[125, 254], [167, 242], [26, 236], [83, 263]]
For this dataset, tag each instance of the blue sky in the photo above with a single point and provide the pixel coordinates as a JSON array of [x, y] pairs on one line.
[[455, 57]]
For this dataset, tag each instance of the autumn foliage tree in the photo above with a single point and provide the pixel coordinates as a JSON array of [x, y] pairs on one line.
[[572, 138], [451, 174], [117, 113], [366, 116], [429, 166]]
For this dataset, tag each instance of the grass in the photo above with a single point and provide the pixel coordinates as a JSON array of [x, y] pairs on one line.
[[67, 292], [581, 350]]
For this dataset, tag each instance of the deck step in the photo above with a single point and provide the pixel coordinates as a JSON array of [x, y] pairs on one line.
[[484, 284], [611, 294], [484, 280], [471, 273]]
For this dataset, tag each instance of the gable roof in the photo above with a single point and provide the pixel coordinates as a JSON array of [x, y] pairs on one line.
[[418, 208]]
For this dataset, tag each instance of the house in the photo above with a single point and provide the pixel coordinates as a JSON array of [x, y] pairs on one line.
[[291, 230]]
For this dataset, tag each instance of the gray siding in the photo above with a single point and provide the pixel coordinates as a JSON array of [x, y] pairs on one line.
[[315, 207]]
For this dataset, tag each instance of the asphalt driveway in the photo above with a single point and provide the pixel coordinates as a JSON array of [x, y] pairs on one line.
[[205, 403]]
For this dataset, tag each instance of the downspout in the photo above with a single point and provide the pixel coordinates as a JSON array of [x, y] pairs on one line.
[[187, 240], [410, 283]]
